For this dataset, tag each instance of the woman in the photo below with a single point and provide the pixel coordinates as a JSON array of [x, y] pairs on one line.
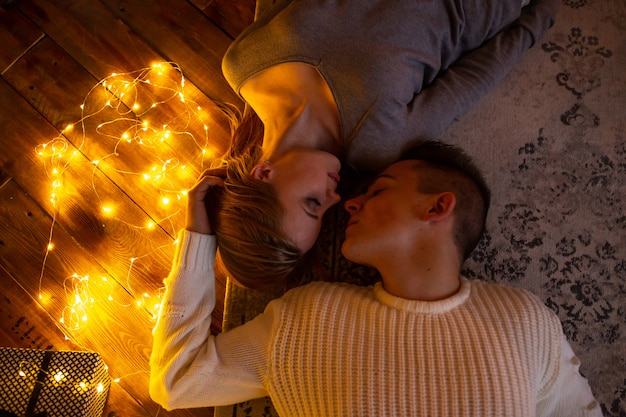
[[353, 80]]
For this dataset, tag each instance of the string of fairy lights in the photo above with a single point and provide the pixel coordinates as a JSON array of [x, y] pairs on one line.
[[144, 114]]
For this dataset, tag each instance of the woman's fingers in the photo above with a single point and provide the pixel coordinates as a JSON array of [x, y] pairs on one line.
[[202, 199], [204, 184]]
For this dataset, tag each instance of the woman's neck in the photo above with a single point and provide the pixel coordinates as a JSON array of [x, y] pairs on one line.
[[296, 107]]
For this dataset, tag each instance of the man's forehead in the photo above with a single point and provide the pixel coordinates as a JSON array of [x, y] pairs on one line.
[[408, 164]]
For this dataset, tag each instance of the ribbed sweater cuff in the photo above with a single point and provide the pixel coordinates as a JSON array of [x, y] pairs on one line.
[[194, 251]]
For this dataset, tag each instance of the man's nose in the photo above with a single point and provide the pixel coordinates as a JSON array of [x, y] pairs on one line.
[[353, 205]]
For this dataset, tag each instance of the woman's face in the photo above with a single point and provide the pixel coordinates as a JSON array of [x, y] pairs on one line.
[[305, 181]]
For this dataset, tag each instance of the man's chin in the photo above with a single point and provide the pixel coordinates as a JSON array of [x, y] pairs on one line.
[[349, 251]]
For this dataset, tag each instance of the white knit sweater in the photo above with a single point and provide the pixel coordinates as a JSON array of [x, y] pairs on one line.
[[328, 349]]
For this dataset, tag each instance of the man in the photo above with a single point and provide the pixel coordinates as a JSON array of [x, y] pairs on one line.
[[424, 341]]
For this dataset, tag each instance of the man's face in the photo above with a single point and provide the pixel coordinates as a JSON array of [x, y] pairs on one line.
[[385, 221]]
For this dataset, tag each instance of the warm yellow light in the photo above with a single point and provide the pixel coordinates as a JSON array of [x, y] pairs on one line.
[[59, 376], [135, 123], [21, 373], [100, 387]]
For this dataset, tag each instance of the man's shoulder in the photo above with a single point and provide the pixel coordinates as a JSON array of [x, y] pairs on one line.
[[517, 297]]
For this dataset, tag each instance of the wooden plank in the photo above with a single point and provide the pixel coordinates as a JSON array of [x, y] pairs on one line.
[[17, 35], [59, 99], [112, 240], [232, 16], [103, 44], [25, 324], [176, 30], [114, 325], [56, 97], [189, 37]]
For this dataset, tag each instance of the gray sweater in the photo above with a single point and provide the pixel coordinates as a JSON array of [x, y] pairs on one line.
[[400, 70]]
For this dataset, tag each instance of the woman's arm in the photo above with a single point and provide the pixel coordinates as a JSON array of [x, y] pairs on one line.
[[188, 366], [457, 89]]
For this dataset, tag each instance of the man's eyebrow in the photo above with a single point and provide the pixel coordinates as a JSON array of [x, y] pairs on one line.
[[379, 176], [383, 175]]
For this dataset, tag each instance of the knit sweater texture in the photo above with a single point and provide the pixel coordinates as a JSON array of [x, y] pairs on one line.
[[331, 349], [400, 71]]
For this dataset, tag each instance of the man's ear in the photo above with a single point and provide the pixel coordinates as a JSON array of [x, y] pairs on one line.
[[261, 171], [441, 207]]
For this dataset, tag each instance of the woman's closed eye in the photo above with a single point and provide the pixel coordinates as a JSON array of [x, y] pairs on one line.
[[313, 204]]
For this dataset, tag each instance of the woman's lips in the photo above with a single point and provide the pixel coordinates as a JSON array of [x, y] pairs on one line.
[[334, 176]]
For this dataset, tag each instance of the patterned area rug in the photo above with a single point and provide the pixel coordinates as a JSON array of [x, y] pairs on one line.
[[551, 141]]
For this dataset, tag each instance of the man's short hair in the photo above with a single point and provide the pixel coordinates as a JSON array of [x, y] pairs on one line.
[[449, 168]]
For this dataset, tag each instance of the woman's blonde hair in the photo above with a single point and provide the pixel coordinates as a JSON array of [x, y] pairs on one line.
[[253, 246]]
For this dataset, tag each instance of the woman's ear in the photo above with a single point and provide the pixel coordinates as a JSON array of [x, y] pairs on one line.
[[441, 207], [261, 171]]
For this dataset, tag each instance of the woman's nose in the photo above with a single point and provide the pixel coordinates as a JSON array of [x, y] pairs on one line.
[[333, 197]]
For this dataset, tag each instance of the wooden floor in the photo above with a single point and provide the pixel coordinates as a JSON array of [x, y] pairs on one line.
[[88, 221]]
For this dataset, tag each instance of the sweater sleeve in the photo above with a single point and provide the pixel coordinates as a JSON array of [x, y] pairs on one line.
[[188, 366], [570, 394], [466, 81]]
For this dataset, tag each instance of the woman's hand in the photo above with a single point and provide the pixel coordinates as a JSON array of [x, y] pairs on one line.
[[203, 197]]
